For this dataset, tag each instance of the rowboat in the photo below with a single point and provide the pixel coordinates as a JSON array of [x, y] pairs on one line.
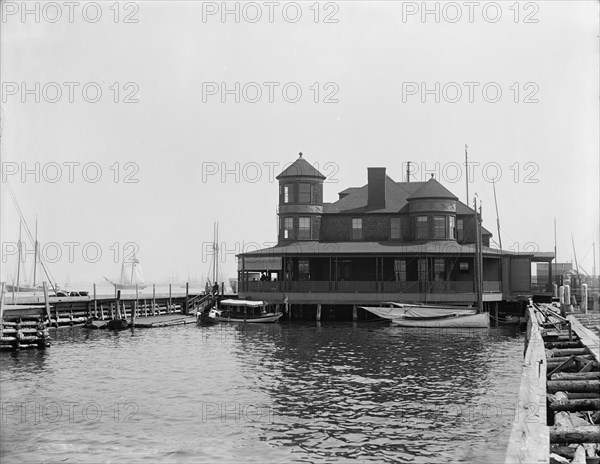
[[413, 315], [250, 311]]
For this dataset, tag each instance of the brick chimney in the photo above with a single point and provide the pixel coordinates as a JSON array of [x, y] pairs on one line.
[[376, 188]]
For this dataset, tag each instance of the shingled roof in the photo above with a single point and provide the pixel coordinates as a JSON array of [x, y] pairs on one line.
[[432, 189], [397, 195], [301, 168]]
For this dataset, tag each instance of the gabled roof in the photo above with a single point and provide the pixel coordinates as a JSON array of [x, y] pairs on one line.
[[301, 168], [432, 189]]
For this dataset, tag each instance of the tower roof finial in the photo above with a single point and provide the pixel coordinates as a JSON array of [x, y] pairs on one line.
[[300, 154]]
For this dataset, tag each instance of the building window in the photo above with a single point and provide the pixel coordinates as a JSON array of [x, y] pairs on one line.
[[395, 233], [288, 193], [288, 227], [463, 266], [423, 269], [304, 193], [451, 227], [439, 227], [422, 229], [304, 228], [303, 269], [439, 270], [400, 270], [460, 233], [357, 229]]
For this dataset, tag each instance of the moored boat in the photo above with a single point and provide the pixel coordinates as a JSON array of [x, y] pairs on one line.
[[209, 317], [247, 311], [412, 315]]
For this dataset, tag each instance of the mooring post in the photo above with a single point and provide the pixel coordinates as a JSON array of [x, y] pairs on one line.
[[95, 303], [118, 310], [46, 303], [101, 311], [154, 299], [354, 313], [187, 296], [496, 305], [169, 302], [2, 302], [319, 312], [133, 312]]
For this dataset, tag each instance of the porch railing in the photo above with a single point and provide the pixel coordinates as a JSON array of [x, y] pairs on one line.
[[367, 286]]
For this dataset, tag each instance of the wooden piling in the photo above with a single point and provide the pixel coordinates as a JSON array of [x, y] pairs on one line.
[[319, 312], [2, 302], [47, 304], [354, 313], [95, 303], [153, 299], [169, 304]]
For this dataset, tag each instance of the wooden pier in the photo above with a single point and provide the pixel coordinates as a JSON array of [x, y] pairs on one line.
[[26, 324], [557, 417]]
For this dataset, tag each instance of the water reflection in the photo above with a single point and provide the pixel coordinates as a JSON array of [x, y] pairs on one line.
[[267, 393]]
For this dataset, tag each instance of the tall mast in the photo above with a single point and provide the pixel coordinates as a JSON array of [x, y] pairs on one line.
[[555, 256], [35, 250], [467, 173], [497, 215], [20, 251], [594, 253], [575, 254]]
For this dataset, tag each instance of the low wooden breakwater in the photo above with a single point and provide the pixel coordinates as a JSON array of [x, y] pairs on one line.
[[26, 325], [558, 412]]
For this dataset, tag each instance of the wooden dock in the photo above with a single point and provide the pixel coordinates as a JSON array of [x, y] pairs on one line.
[[26, 324], [558, 412]]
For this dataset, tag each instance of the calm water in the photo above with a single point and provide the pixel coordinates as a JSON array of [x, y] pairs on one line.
[[269, 393]]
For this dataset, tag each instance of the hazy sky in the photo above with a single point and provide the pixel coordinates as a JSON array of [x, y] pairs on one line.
[[369, 74]]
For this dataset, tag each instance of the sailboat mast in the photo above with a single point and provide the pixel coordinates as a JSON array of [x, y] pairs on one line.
[[497, 215], [467, 172], [555, 256], [20, 251], [35, 250], [575, 254]]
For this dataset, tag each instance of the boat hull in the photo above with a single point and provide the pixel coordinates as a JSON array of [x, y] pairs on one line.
[[267, 318], [401, 310], [469, 321]]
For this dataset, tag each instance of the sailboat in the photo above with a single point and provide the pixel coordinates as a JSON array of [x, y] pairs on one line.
[[442, 316], [131, 275], [210, 315], [19, 286]]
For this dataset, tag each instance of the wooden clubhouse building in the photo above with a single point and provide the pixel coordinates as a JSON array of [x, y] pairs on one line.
[[384, 241]]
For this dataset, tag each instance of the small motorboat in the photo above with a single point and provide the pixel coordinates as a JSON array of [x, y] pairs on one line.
[[250, 311]]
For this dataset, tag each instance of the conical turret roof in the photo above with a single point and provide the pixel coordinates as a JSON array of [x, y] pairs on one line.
[[301, 168], [432, 189]]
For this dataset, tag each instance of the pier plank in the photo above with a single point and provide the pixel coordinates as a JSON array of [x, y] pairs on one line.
[[529, 440]]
